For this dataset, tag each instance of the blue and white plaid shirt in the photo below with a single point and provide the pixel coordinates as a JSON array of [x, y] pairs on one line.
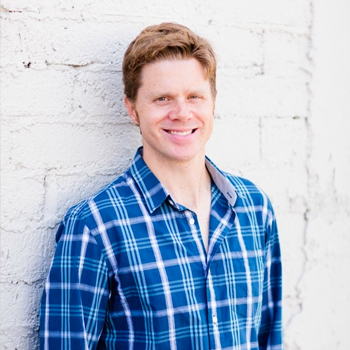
[[131, 271]]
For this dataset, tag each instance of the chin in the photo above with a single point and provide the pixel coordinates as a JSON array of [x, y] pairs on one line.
[[185, 156]]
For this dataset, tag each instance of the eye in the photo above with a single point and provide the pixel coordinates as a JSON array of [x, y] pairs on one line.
[[162, 99], [193, 97]]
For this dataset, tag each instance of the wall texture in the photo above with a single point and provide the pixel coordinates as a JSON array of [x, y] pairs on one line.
[[282, 120]]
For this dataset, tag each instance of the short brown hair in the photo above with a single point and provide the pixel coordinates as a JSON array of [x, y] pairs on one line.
[[165, 41]]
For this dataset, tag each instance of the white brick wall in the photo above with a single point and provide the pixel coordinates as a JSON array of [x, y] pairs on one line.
[[282, 120]]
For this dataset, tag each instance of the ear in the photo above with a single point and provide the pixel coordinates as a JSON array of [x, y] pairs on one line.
[[131, 111]]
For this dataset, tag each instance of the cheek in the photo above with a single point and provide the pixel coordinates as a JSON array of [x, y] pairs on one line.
[[208, 115], [210, 124], [211, 127]]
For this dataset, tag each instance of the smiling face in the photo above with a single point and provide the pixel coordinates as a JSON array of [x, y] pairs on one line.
[[174, 108]]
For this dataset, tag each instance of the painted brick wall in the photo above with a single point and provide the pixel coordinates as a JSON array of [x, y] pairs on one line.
[[282, 120]]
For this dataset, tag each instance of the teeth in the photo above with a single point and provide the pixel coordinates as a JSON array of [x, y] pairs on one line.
[[184, 133]]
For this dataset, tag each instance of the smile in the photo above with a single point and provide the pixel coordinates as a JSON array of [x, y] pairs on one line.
[[181, 133]]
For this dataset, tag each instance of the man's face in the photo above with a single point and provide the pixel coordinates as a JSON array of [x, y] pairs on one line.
[[174, 109]]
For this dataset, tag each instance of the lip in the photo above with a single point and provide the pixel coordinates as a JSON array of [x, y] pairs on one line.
[[181, 133]]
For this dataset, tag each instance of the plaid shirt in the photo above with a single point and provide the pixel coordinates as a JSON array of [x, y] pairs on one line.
[[131, 272]]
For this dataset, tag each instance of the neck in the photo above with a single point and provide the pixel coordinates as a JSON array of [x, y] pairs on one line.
[[187, 182]]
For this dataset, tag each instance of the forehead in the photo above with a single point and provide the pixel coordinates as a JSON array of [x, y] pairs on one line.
[[173, 74], [175, 64]]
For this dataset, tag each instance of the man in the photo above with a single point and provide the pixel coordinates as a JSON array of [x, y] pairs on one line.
[[174, 254]]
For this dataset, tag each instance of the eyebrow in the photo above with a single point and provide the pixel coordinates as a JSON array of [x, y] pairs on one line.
[[155, 94]]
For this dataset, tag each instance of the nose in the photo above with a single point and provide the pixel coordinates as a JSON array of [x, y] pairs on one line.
[[181, 110]]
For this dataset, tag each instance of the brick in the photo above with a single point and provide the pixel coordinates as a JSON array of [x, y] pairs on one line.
[[242, 50], [262, 95], [289, 135], [24, 198], [46, 92], [64, 191], [35, 248], [70, 146], [286, 54], [75, 43], [11, 43], [266, 12], [20, 305], [239, 145], [99, 93]]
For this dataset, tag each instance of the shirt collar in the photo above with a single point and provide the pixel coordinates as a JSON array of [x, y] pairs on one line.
[[152, 190], [155, 193], [222, 182]]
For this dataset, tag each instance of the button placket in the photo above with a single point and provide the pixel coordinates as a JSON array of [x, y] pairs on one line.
[[191, 221]]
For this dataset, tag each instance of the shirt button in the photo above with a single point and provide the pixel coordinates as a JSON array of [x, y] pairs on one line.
[[215, 319], [191, 221], [171, 202]]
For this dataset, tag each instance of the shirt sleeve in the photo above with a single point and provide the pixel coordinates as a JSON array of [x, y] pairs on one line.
[[270, 332], [76, 292]]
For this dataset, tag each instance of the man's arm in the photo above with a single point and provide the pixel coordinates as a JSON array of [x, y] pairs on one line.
[[270, 333], [76, 292]]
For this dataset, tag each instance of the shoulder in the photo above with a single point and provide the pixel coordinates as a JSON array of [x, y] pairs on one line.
[[251, 195], [248, 194], [86, 211], [245, 187]]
